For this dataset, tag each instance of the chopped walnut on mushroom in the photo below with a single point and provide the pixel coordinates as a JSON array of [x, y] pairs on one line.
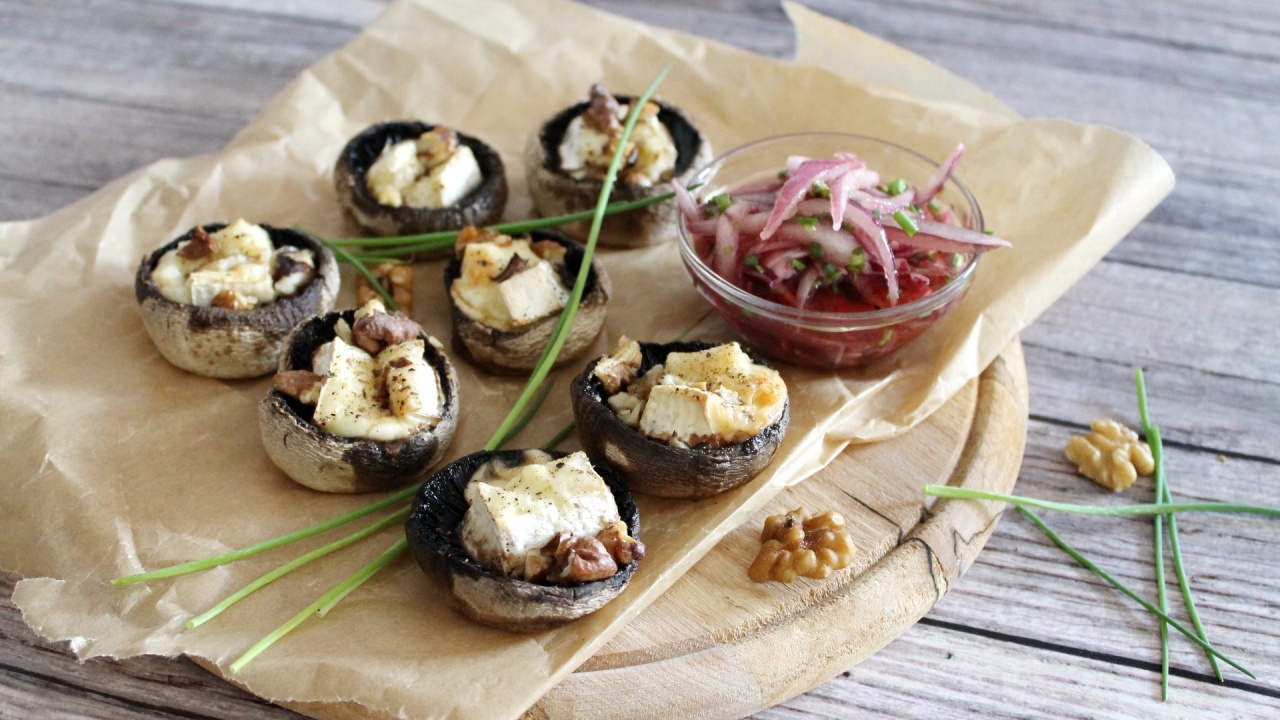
[[1111, 455], [395, 278], [375, 329], [796, 545], [619, 369], [572, 559]]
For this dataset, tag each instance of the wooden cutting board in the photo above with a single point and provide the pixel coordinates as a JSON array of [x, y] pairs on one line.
[[717, 646]]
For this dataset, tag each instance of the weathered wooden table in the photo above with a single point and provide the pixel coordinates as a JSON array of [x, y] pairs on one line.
[[90, 90]]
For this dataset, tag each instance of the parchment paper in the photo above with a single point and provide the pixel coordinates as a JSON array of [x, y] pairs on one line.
[[115, 462]]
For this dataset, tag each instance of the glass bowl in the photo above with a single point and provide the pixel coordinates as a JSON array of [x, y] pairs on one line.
[[811, 338]]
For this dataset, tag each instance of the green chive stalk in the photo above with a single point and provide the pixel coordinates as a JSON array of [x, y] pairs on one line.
[[340, 590], [360, 268], [504, 431], [1162, 593], [198, 565], [947, 491], [1132, 595], [1152, 433], [289, 567]]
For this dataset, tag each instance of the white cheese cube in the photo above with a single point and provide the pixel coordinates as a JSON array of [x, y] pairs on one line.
[[446, 183], [533, 293], [395, 169], [688, 415], [347, 404], [248, 279], [508, 519], [170, 276], [413, 391]]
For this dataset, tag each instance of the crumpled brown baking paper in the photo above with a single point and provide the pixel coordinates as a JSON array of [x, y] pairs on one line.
[[115, 462]]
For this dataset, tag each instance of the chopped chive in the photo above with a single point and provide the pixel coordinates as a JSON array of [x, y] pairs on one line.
[[884, 339], [876, 214], [797, 263], [722, 201], [934, 207], [753, 261], [830, 270], [914, 209], [857, 261], [988, 232], [820, 189], [815, 249], [747, 313], [782, 174], [708, 212], [808, 222], [896, 186], [957, 259], [905, 222]]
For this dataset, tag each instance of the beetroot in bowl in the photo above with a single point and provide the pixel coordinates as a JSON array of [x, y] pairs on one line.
[[830, 250]]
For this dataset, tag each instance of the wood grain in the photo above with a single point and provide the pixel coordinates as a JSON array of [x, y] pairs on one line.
[[91, 90]]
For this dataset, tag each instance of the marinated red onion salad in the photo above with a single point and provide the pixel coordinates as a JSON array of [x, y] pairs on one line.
[[828, 235]]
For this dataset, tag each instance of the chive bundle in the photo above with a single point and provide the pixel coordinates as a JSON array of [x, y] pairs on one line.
[[1162, 507]]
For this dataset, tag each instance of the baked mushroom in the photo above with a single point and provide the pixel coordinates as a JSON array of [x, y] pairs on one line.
[[410, 177], [219, 300], [576, 546], [682, 419], [564, 168], [366, 412], [506, 294]]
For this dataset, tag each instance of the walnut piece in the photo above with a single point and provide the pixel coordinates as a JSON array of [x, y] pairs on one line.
[[1112, 455], [377, 330], [232, 300], [797, 545], [619, 369], [436, 145], [395, 278], [621, 546], [579, 559], [302, 384], [201, 245]]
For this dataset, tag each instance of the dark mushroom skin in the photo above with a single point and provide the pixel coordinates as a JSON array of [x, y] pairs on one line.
[[488, 597], [482, 206], [323, 461], [556, 193], [516, 352], [654, 467], [222, 343]]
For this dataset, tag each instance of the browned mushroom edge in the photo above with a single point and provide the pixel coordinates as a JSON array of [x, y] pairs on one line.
[[488, 597], [556, 193], [332, 463], [654, 467], [516, 352], [230, 344], [482, 206]]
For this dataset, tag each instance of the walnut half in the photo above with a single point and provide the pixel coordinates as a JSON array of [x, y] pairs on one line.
[[797, 545], [1112, 455]]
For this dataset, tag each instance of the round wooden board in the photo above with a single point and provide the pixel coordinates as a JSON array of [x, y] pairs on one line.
[[717, 646]]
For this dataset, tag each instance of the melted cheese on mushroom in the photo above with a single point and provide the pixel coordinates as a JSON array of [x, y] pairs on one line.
[[427, 172], [240, 268], [532, 292], [716, 396], [584, 151], [518, 510]]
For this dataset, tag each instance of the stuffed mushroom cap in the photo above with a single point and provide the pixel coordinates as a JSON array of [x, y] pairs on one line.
[[554, 192], [516, 352], [224, 343], [654, 467], [323, 461], [488, 597], [482, 206]]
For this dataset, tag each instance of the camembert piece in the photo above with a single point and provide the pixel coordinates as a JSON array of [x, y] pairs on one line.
[[433, 171], [590, 139], [516, 512], [236, 267], [715, 397], [507, 283], [371, 381]]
